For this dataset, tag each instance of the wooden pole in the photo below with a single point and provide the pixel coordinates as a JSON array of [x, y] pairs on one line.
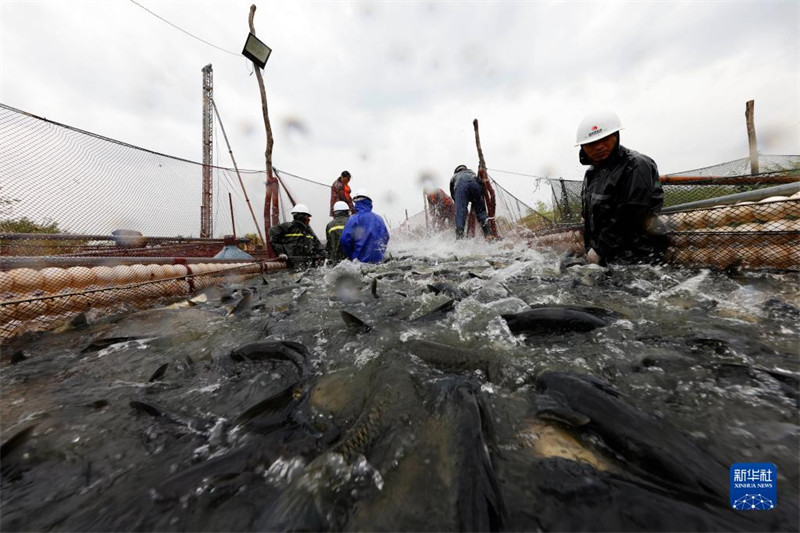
[[488, 190], [751, 135], [233, 222], [236, 168], [425, 209], [271, 198]]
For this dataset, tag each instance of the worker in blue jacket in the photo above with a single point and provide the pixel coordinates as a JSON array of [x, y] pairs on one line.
[[365, 235]]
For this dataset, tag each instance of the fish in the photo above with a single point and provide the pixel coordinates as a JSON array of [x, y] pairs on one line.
[[552, 319], [479, 501], [242, 306], [16, 440], [451, 358], [267, 350], [287, 412], [373, 287], [227, 295], [569, 259], [195, 425], [354, 323], [436, 312], [658, 451], [10, 451], [447, 289], [146, 407], [159, 373], [99, 344], [563, 415]]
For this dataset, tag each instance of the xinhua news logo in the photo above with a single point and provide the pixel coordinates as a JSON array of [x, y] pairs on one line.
[[754, 486]]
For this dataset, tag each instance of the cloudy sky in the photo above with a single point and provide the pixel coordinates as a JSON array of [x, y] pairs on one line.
[[388, 90]]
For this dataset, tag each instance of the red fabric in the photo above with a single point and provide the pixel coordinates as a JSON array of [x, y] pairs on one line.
[[443, 209], [340, 191]]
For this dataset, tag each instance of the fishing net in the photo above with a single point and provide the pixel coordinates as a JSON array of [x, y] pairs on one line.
[[90, 225], [512, 216]]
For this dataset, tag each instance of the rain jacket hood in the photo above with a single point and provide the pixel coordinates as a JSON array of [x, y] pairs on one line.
[[365, 235]]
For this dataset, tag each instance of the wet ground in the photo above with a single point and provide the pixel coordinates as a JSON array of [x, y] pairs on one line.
[[396, 397]]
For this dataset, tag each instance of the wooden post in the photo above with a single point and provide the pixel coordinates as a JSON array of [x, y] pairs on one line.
[[751, 136], [425, 209], [488, 190], [271, 198]]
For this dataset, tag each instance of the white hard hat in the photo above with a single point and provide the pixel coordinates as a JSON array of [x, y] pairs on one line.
[[597, 125], [340, 206], [300, 208], [361, 193]]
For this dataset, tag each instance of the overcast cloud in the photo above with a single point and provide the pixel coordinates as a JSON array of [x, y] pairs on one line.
[[389, 90]]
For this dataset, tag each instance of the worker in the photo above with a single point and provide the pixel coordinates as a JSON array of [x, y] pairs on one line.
[[621, 195], [365, 235], [333, 232], [295, 241], [466, 188], [441, 209], [340, 191]]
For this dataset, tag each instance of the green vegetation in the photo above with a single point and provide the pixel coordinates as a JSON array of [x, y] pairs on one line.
[[25, 225], [36, 246]]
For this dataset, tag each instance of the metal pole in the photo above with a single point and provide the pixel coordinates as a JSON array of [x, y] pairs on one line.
[[749, 196], [206, 220]]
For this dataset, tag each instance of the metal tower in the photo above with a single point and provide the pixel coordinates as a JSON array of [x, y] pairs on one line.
[[206, 221]]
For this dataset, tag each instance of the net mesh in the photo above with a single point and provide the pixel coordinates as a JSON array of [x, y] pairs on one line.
[[512, 216], [89, 224], [65, 194], [720, 216]]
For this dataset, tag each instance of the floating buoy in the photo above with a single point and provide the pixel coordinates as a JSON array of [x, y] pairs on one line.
[[25, 280], [6, 283], [158, 271], [140, 273], [772, 208], [107, 298], [123, 275], [55, 279], [744, 213], [28, 310], [105, 276], [749, 227], [81, 277]]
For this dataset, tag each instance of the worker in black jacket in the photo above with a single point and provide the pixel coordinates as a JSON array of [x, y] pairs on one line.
[[621, 195], [295, 241], [333, 232]]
